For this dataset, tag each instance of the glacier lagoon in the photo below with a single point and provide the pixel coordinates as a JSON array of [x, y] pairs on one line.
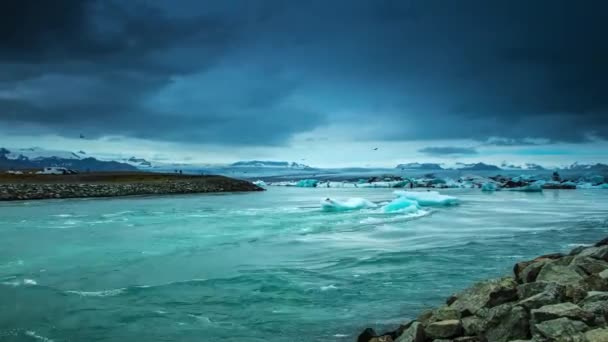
[[269, 266]]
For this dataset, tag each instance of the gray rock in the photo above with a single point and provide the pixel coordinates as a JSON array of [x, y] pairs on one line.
[[425, 317], [474, 325], [595, 296], [597, 335], [512, 325], [577, 250], [468, 339], [444, 329], [590, 265], [530, 272], [600, 252], [541, 299], [415, 333], [485, 294], [561, 310], [530, 289], [599, 309], [562, 329], [565, 275], [442, 314], [520, 266]]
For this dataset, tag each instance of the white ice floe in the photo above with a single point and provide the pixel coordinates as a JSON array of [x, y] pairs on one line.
[[329, 204], [428, 198]]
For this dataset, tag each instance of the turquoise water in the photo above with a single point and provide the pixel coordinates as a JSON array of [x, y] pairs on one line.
[[262, 266]]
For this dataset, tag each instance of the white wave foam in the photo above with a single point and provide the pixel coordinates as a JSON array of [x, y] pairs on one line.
[[35, 335], [329, 287], [103, 293], [393, 219], [120, 213], [23, 282]]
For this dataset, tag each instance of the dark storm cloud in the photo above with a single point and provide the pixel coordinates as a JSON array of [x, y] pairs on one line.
[[257, 72], [443, 151]]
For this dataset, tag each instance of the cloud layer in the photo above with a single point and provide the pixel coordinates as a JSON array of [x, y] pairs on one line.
[[258, 72]]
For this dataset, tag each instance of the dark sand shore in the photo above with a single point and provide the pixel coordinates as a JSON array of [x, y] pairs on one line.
[[113, 184]]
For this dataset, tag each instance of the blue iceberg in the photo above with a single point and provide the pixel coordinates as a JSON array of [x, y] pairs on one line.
[[307, 183], [489, 187], [428, 198], [401, 205]]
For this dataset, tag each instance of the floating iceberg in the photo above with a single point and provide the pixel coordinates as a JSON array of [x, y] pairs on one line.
[[401, 205], [489, 187], [260, 183], [384, 184], [534, 187], [596, 179], [307, 183], [329, 204], [428, 198]]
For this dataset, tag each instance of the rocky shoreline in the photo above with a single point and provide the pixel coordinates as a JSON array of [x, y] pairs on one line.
[[39, 189], [555, 297]]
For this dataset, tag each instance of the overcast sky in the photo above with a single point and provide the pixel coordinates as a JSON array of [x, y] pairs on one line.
[[321, 81]]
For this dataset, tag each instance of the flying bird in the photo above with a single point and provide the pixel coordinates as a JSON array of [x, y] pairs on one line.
[[81, 136], [375, 149]]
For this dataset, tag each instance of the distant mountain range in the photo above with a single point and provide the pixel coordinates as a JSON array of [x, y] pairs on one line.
[[36, 158], [271, 164], [420, 166]]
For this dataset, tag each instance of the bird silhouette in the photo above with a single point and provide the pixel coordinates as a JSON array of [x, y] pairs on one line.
[[375, 149]]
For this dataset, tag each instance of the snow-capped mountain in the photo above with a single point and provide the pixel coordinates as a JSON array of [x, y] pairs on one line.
[[419, 166], [36, 157], [527, 166], [270, 164], [477, 167], [588, 167], [138, 162], [37, 153]]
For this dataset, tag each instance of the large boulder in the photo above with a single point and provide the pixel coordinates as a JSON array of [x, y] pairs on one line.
[[565, 275], [443, 313], [562, 329], [526, 271], [485, 294], [599, 309], [444, 329], [530, 289], [541, 299], [501, 323], [561, 310], [512, 325], [597, 252], [474, 326], [414, 333], [589, 265]]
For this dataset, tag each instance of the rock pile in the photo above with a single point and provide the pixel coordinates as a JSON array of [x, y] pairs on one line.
[[556, 297]]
